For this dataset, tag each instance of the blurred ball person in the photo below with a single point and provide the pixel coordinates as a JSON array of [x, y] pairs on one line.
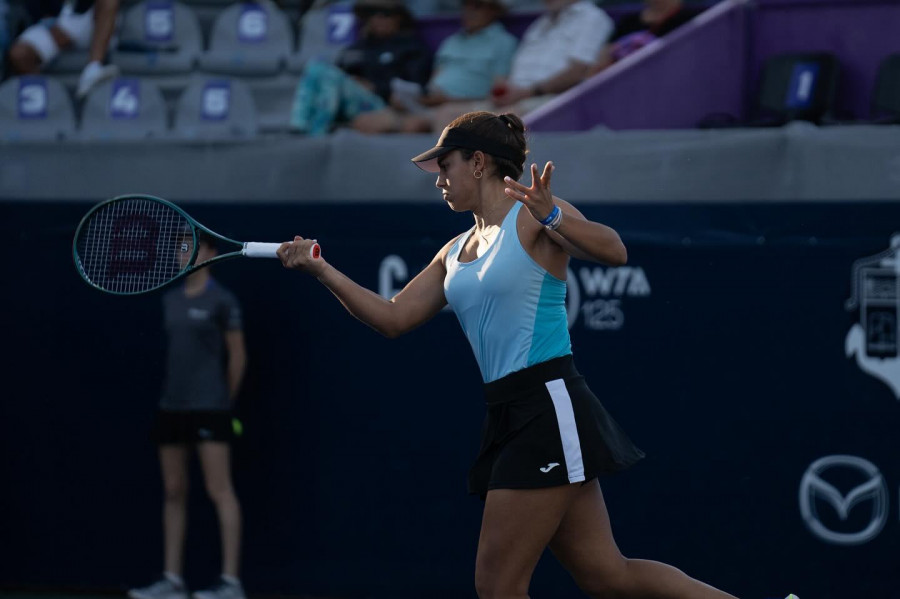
[[205, 364]]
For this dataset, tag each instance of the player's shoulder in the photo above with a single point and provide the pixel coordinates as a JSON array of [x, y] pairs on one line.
[[441, 256], [221, 293], [449, 245]]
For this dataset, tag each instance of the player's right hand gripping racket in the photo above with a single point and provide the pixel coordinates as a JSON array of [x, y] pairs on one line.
[[133, 244]]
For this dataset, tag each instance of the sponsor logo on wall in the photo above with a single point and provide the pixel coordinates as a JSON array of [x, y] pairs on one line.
[[875, 295], [599, 295], [844, 500]]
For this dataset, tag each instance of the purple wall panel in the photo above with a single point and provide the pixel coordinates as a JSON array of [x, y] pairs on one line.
[[695, 71], [860, 33], [692, 72]]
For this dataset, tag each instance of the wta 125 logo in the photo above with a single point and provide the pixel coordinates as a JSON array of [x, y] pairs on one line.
[[876, 294], [596, 293]]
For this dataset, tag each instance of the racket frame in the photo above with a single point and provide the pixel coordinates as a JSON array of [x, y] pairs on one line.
[[194, 227]]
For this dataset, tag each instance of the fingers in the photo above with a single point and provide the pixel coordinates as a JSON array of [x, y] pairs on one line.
[[538, 182], [298, 253], [515, 185], [516, 195], [548, 171]]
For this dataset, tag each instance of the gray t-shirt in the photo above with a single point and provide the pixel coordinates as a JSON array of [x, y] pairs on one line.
[[196, 358]]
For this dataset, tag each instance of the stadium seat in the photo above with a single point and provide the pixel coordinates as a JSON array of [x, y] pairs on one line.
[[325, 29], [35, 108], [126, 108], [68, 62], [159, 37], [250, 39], [797, 87], [215, 108], [273, 97], [792, 87], [886, 96]]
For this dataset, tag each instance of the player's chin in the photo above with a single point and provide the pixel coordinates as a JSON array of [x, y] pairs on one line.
[[452, 204]]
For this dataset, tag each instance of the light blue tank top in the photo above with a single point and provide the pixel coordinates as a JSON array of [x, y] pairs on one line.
[[511, 309]]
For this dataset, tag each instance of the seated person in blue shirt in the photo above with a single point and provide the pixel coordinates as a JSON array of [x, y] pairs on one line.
[[467, 65]]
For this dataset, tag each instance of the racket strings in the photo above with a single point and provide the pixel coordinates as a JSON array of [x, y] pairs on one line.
[[133, 245]]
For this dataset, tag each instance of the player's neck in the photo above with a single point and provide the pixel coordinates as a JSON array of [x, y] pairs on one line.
[[196, 283], [495, 205]]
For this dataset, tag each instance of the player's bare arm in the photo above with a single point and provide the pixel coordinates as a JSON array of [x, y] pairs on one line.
[[578, 236], [237, 361], [416, 303]]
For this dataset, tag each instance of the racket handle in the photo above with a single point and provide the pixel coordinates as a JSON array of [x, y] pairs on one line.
[[256, 249]]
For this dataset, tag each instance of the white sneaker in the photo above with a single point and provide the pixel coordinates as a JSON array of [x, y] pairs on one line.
[[93, 74], [224, 590], [167, 587]]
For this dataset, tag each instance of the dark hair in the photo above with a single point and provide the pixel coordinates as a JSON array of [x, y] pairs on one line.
[[507, 129], [407, 20]]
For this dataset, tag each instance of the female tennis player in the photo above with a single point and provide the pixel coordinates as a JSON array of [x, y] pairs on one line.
[[546, 437]]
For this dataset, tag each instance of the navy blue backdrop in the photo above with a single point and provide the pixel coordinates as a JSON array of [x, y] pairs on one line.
[[722, 348]]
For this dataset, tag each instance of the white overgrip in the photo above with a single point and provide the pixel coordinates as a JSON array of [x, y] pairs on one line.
[[257, 249]]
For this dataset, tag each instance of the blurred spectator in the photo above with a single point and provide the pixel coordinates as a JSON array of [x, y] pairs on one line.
[[424, 8], [206, 359], [555, 54], [466, 66], [81, 24], [634, 31], [389, 48]]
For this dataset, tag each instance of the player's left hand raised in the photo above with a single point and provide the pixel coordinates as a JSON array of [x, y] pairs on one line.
[[537, 198]]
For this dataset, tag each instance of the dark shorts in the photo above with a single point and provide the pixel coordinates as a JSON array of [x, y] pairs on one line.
[[192, 427], [544, 427]]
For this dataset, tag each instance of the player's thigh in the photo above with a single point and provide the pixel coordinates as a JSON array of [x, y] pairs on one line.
[[74, 30], [516, 527], [584, 542], [215, 460], [376, 121], [173, 461], [37, 45]]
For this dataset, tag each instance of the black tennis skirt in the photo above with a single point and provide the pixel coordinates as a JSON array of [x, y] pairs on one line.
[[192, 427], [544, 427]]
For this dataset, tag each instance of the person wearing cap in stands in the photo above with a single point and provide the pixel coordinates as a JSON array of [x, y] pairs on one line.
[[546, 438], [466, 66]]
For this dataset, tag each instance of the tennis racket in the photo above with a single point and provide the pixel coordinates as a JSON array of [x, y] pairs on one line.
[[135, 244]]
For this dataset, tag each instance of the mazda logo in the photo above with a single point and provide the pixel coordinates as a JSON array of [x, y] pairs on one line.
[[814, 487]]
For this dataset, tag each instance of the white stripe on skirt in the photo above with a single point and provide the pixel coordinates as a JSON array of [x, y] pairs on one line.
[[568, 432]]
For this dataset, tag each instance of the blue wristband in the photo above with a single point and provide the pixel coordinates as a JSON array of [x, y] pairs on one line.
[[550, 216]]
